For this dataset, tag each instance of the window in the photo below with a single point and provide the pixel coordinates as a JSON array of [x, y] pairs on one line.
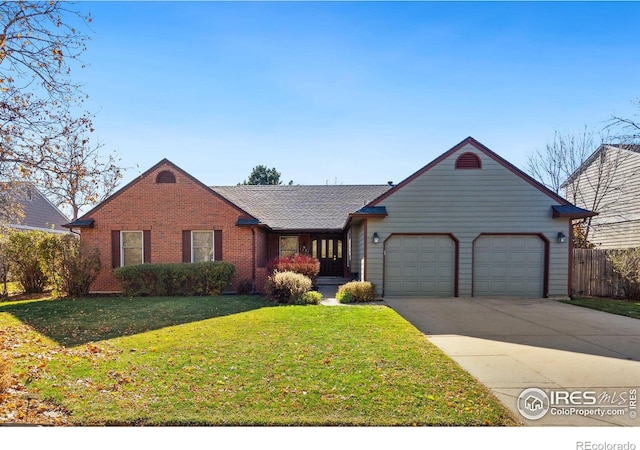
[[288, 245], [198, 246], [202, 246], [132, 248]]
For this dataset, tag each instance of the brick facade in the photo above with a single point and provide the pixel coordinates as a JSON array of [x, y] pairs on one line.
[[166, 209]]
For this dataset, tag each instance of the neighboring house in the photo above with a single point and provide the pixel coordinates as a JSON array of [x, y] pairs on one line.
[[39, 213], [468, 223], [608, 182]]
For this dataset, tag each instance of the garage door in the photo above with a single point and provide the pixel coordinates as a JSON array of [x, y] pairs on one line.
[[419, 266], [508, 266]]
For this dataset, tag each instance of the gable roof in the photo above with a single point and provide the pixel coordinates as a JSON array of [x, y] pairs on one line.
[[478, 146], [631, 148], [302, 207], [39, 212], [85, 219]]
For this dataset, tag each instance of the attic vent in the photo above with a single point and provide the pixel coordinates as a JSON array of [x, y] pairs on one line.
[[166, 177], [468, 161]]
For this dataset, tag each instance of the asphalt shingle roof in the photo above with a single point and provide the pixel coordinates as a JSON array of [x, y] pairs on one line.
[[282, 207]]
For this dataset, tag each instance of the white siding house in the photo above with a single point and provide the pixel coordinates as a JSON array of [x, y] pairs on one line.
[[470, 224], [609, 183]]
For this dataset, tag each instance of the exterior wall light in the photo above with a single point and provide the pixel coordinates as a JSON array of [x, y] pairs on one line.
[[561, 238], [376, 238]]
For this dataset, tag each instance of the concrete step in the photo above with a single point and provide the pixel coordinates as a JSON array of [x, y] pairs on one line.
[[331, 281]]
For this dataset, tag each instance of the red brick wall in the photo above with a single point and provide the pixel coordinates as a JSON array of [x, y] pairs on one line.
[[167, 210]]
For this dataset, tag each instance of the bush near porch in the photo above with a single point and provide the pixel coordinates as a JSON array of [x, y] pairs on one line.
[[303, 264], [288, 287], [356, 292]]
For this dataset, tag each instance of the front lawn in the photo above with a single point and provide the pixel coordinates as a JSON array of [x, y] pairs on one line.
[[237, 361], [621, 307]]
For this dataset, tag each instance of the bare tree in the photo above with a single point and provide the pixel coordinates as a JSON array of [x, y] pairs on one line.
[[561, 158], [80, 175], [626, 130], [39, 42], [583, 168]]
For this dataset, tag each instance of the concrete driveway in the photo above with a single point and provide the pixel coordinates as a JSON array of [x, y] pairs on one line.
[[580, 358]]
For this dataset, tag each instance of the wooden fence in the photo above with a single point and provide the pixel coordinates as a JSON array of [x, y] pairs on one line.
[[593, 274]]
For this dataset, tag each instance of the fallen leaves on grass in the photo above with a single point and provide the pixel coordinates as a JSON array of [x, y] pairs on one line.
[[25, 356], [20, 406]]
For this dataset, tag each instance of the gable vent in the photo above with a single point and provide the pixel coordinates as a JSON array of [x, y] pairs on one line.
[[166, 177], [468, 161]]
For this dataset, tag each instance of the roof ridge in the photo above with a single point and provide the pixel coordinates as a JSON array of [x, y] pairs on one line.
[[295, 185]]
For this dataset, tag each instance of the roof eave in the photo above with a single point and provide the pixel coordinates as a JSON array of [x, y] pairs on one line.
[[380, 213], [87, 223], [308, 230], [571, 212], [251, 222]]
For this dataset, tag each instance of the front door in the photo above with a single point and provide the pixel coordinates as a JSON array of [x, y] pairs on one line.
[[328, 250]]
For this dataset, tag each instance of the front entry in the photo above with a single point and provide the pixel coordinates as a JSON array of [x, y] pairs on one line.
[[328, 250]]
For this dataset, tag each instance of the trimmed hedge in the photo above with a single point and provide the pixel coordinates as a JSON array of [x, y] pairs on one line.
[[356, 292], [175, 279]]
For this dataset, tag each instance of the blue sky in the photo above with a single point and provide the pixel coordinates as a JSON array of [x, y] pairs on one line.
[[359, 92]]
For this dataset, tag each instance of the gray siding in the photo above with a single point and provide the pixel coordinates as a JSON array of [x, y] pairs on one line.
[[611, 187], [468, 203], [360, 262], [356, 249], [40, 213]]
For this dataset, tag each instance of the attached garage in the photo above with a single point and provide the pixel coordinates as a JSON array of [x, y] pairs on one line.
[[509, 265], [420, 265]]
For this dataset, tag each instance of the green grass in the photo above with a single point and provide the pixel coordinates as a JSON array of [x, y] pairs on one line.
[[72, 322], [620, 307], [239, 361]]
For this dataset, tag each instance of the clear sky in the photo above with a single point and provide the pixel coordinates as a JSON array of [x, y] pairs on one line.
[[348, 93]]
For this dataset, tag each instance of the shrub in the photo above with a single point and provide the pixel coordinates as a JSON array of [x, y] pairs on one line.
[[70, 265], [302, 264], [175, 279], [356, 292], [287, 287], [245, 287], [626, 263], [22, 252], [310, 298]]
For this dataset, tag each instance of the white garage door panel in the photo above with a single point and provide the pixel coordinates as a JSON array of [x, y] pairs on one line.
[[419, 266], [508, 266]]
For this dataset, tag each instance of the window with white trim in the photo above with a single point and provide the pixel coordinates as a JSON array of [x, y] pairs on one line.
[[202, 246], [289, 245], [132, 248]]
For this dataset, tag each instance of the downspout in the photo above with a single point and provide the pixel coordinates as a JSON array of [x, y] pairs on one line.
[[253, 260], [570, 271]]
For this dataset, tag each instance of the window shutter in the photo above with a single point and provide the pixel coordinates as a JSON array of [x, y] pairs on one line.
[[115, 249], [186, 246], [217, 245], [146, 246]]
